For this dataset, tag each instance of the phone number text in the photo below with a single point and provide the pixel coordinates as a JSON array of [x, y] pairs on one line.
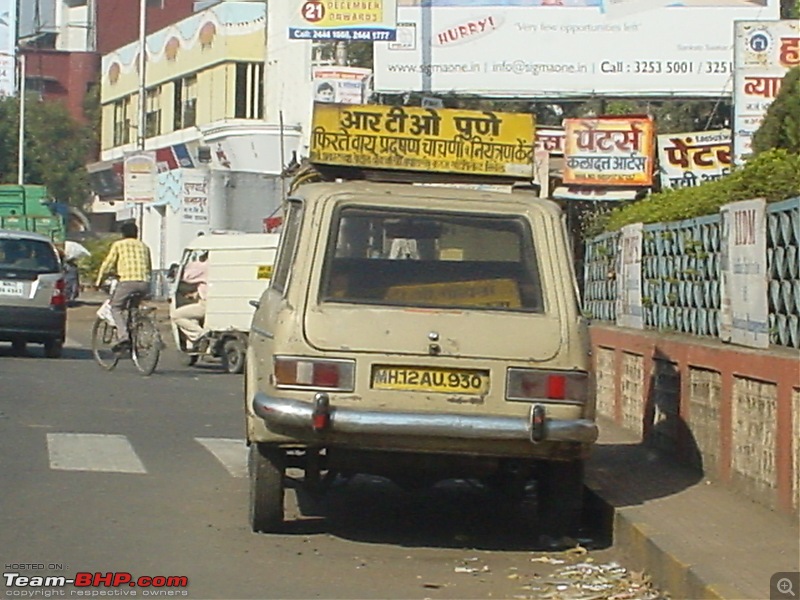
[[667, 67], [347, 35]]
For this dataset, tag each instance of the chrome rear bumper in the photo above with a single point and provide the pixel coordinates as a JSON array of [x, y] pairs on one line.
[[301, 419]]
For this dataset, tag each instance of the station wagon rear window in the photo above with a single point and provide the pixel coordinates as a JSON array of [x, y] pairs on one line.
[[431, 259]]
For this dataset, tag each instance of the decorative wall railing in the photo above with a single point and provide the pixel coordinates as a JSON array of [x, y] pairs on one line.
[[681, 284]]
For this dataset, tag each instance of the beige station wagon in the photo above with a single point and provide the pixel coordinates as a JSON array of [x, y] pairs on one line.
[[421, 333]]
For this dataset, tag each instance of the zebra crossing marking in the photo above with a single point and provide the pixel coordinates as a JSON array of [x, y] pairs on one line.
[[232, 453], [111, 453]]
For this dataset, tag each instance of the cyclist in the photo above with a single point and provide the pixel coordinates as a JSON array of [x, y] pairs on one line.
[[129, 258]]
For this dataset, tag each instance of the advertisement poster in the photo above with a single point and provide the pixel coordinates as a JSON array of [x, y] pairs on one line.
[[8, 47], [744, 314], [194, 198], [609, 151], [629, 277], [341, 85], [764, 52], [342, 20], [139, 176], [689, 159], [423, 139], [548, 48], [550, 139]]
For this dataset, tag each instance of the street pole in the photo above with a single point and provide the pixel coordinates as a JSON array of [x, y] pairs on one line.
[[140, 127], [21, 147]]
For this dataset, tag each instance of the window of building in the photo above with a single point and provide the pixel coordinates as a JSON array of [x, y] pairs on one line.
[[152, 112], [249, 91], [122, 122], [185, 106]]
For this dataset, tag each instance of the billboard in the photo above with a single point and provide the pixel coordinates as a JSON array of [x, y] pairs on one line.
[[8, 47], [549, 48], [689, 159], [609, 151], [423, 139], [763, 52], [343, 20], [340, 85]]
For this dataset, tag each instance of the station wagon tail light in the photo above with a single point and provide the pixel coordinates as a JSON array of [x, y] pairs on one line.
[[59, 297], [311, 373], [557, 386]]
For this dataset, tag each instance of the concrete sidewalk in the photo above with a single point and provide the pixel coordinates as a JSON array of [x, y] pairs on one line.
[[696, 538]]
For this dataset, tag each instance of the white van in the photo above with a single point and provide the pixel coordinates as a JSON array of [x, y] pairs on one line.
[[239, 270]]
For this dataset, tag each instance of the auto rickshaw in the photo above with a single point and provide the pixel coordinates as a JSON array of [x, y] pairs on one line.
[[239, 269]]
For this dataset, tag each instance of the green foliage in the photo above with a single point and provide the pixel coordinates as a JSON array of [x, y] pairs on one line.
[[89, 265], [55, 152], [781, 125], [93, 110], [774, 175], [790, 9]]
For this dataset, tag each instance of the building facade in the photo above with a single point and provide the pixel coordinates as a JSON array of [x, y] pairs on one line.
[[56, 37], [227, 106]]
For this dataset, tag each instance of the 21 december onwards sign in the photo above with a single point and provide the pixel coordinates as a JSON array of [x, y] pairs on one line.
[[344, 20], [424, 139], [609, 151], [689, 159]]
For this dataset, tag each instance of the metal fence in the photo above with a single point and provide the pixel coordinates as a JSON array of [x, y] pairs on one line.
[[681, 284]]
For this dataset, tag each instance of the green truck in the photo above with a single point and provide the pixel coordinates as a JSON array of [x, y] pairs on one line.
[[31, 208]]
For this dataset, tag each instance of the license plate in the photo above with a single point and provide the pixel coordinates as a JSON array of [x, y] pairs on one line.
[[11, 288], [426, 379]]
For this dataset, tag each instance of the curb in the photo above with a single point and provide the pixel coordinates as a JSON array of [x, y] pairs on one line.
[[648, 550]]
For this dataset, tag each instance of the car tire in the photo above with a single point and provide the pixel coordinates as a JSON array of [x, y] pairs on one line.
[[53, 348], [234, 352], [18, 347], [266, 468], [560, 498]]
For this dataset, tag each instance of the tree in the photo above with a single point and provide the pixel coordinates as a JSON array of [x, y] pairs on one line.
[[781, 125], [790, 9], [55, 151]]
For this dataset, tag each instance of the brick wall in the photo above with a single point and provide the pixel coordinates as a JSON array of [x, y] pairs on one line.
[[731, 412]]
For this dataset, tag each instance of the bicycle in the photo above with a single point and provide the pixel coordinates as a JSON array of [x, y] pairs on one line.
[[146, 342]]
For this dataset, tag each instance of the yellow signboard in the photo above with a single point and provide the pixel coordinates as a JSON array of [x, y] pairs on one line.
[[424, 139], [264, 271], [492, 293]]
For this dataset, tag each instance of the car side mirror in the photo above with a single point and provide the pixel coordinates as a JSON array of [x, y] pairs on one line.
[[172, 271]]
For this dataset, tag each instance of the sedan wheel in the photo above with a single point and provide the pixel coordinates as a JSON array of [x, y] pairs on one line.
[[53, 348]]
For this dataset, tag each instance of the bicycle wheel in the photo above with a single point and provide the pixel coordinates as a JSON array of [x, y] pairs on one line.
[[104, 335], [146, 344]]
